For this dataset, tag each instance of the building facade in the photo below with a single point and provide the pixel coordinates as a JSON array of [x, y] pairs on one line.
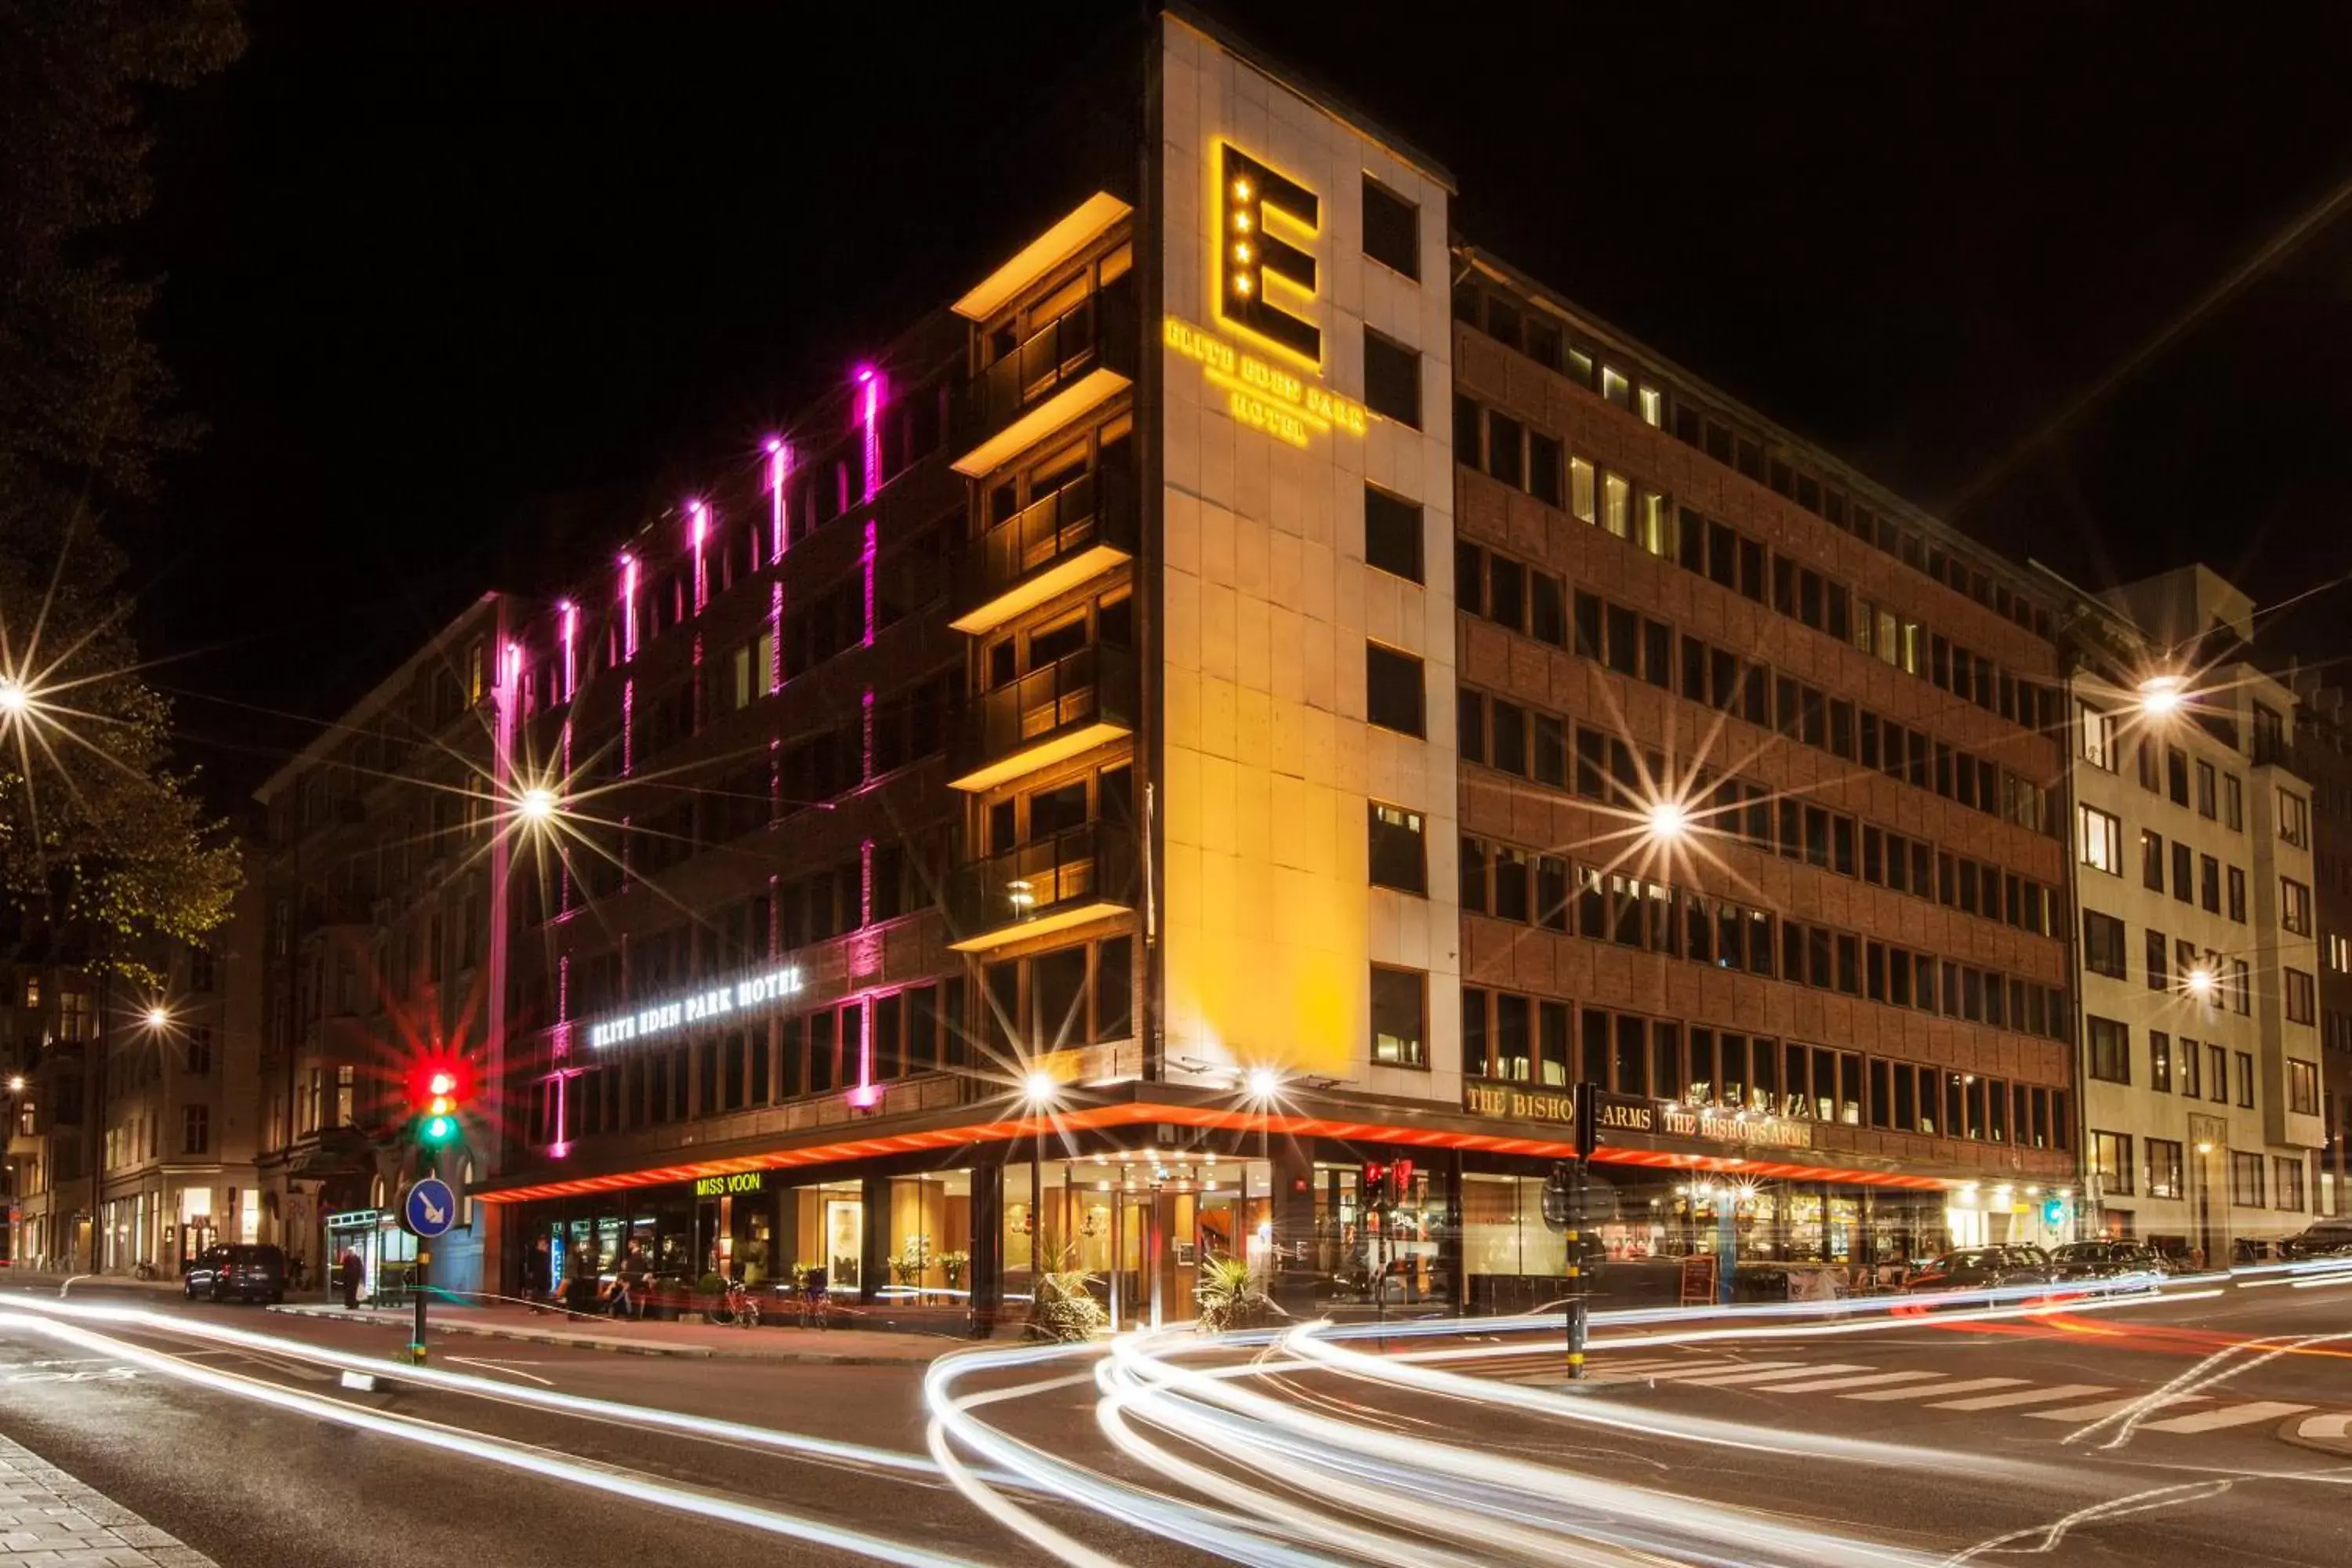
[[1251, 691], [49, 1001], [2199, 953]]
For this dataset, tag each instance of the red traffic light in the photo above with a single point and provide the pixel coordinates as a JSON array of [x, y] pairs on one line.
[[442, 1082]]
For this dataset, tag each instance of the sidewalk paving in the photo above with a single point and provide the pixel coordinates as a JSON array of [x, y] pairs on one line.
[[706, 1342], [50, 1520], [51, 1284]]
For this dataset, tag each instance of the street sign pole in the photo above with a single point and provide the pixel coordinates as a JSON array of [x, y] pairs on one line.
[[429, 1208]]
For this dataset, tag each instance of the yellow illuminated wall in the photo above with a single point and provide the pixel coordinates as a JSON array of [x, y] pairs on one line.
[[1270, 926]]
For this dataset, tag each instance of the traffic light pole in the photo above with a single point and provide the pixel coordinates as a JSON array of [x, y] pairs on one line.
[[416, 1282], [1579, 1310]]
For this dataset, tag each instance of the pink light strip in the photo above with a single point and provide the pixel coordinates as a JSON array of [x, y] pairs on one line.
[[571, 639], [780, 463], [870, 413], [700, 514], [628, 607]]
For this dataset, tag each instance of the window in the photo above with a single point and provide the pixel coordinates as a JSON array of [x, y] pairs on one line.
[[196, 1131], [2217, 1075], [2208, 806], [2238, 894], [2164, 1168], [1392, 228], [2159, 967], [2294, 819], [2101, 837], [2097, 730], [2111, 1161], [1392, 690], [2176, 774], [2286, 1185], [1392, 379], [2245, 1080], [2151, 861], [1392, 534], [2295, 906], [2103, 943], [2302, 1088], [2245, 1179], [2302, 1006], [1399, 1013], [1399, 856], [2339, 953], [2209, 884], [2159, 1061], [2233, 804], [2110, 1051]]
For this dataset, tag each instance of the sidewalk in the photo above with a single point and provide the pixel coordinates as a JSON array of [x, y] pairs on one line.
[[2324, 1433], [48, 1517], [704, 1341]]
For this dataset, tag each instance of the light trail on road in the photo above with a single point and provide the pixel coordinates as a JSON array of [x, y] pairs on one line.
[[527, 1459]]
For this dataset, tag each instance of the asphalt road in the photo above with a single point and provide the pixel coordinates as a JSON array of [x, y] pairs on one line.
[[1961, 1441]]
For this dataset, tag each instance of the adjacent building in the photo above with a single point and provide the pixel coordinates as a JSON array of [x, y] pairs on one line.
[[2201, 1098], [2322, 755], [384, 887]]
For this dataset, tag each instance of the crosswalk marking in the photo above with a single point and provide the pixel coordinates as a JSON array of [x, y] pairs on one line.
[[2230, 1415], [1765, 1372], [1969, 1386], [1738, 1369], [2107, 1407], [1820, 1383], [2028, 1396]]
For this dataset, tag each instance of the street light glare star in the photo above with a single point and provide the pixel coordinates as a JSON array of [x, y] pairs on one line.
[[1667, 820], [2200, 982], [1264, 1083], [537, 804], [1039, 1087], [13, 697], [2161, 695], [157, 1018]]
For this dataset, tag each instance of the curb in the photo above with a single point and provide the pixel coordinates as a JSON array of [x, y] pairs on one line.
[[624, 1347], [2329, 1435]]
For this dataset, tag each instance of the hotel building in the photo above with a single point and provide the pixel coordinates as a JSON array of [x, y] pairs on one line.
[[2322, 755], [1255, 688], [2200, 953]]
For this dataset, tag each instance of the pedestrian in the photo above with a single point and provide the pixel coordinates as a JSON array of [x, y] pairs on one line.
[[538, 1275], [351, 1266]]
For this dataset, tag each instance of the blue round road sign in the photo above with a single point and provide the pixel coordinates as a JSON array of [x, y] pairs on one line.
[[431, 1207]]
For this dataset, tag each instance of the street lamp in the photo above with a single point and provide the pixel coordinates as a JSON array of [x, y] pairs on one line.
[[157, 1017], [13, 697], [1667, 821], [1263, 1083], [2201, 983], [536, 804]]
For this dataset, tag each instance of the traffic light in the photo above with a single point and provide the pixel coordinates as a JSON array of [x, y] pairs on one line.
[[440, 1090], [1400, 1181], [2053, 1212], [1372, 1182]]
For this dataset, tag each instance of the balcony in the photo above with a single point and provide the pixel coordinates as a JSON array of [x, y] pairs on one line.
[[1072, 364], [1077, 532], [1066, 881], [1072, 705]]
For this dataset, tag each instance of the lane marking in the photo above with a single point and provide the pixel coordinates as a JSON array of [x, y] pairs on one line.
[[1731, 1369], [1721, 1379], [2101, 1411], [2227, 1416], [2029, 1397], [1967, 1386], [507, 1367], [2337, 1426], [1821, 1384]]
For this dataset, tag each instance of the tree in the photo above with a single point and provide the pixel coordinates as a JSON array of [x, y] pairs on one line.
[[92, 820]]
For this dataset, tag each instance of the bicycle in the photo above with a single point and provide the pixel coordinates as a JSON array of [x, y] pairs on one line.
[[813, 1302], [735, 1307]]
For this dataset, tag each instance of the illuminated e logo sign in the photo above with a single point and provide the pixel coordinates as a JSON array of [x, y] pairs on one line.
[[1250, 258]]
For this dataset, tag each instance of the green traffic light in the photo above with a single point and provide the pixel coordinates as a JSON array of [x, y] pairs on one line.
[[438, 1130]]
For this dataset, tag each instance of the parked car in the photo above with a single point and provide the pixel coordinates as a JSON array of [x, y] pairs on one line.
[[2104, 1260], [245, 1271], [1982, 1269], [2328, 1238]]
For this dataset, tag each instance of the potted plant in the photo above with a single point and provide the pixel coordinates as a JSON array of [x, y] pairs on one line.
[[954, 1265], [1228, 1298], [914, 1260], [1061, 1306]]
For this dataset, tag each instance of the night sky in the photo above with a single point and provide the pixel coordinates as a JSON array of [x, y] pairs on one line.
[[458, 285]]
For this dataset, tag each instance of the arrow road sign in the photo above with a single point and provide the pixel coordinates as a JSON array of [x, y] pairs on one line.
[[431, 1207]]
